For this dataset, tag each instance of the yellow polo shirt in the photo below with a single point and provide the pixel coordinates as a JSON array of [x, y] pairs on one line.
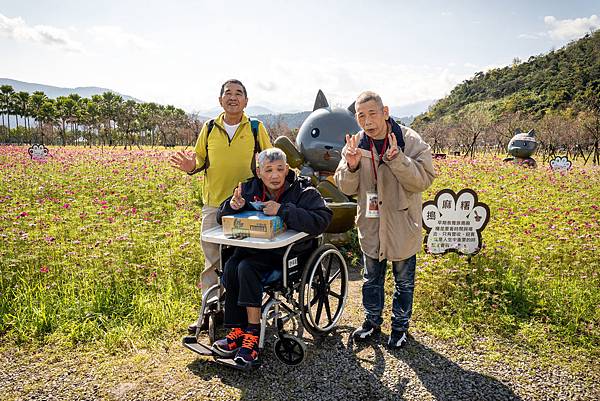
[[230, 161]]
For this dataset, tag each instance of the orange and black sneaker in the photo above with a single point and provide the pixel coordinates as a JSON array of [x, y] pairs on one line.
[[247, 355], [229, 345]]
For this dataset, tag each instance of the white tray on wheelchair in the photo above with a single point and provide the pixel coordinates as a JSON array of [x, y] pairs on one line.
[[216, 236]]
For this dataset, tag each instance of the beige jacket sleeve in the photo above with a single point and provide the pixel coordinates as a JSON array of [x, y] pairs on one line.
[[347, 181], [413, 168]]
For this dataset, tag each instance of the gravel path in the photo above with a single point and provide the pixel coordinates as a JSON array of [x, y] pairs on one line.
[[335, 369]]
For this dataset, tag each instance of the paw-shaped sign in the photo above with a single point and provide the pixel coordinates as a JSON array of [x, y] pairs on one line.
[[38, 152], [454, 222], [560, 163]]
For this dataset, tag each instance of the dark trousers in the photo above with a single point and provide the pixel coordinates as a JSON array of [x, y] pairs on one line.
[[404, 286], [243, 274]]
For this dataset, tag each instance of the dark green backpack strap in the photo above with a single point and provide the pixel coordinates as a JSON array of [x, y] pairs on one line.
[[210, 125], [254, 123]]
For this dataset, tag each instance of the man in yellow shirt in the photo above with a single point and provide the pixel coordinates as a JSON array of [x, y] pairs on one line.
[[226, 154]]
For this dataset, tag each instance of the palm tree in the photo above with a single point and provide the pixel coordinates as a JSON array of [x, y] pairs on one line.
[[74, 119], [6, 92], [48, 115], [65, 108], [36, 101], [127, 119], [89, 118], [22, 107], [110, 104], [152, 116]]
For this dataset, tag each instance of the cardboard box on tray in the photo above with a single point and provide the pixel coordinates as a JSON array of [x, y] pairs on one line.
[[252, 224]]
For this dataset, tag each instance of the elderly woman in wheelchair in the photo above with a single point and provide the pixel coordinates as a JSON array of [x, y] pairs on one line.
[[294, 279], [279, 192]]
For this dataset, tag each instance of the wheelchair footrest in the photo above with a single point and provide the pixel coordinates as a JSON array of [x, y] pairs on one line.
[[191, 343], [232, 364]]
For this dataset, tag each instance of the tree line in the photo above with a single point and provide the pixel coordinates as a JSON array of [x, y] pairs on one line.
[[476, 129], [102, 120]]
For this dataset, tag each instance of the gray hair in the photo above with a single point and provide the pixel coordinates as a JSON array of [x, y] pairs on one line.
[[270, 155], [368, 96]]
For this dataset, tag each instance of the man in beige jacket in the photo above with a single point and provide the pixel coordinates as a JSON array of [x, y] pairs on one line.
[[386, 166]]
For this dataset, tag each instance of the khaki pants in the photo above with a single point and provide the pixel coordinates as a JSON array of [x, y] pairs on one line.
[[211, 251]]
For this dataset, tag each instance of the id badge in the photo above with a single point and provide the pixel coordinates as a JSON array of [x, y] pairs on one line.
[[372, 210]]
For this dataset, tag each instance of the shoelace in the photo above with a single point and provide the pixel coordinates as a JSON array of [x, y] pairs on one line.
[[235, 334], [249, 341]]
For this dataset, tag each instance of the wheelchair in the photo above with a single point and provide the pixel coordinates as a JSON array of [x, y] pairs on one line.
[[308, 293]]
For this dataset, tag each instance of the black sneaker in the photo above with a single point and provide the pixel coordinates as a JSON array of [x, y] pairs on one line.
[[397, 339], [367, 331]]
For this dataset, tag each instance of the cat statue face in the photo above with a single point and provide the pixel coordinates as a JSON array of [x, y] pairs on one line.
[[322, 135], [523, 144]]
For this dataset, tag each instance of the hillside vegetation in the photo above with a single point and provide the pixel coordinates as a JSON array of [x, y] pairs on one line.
[[568, 78]]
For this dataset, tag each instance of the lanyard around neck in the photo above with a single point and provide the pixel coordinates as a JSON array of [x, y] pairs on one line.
[[372, 145], [264, 194]]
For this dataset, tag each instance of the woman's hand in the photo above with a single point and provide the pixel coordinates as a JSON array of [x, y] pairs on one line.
[[237, 201], [271, 208]]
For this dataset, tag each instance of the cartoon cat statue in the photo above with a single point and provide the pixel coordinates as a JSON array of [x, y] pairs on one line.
[[317, 153]]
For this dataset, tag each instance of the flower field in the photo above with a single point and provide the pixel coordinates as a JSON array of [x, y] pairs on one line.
[[102, 246]]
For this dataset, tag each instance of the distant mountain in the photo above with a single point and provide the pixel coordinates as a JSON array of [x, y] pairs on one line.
[[250, 110], [407, 121], [55, 91], [292, 120], [412, 109]]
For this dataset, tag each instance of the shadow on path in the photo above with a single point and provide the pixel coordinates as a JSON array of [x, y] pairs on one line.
[[337, 370]]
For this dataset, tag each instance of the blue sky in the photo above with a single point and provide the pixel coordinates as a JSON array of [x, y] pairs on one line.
[[179, 52]]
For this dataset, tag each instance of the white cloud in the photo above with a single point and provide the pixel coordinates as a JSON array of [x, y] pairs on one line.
[[530, 36], [297, 81], [568, 29], [17, 29], [116, 36]]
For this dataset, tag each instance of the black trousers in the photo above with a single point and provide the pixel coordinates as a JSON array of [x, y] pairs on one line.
[[242, 277]]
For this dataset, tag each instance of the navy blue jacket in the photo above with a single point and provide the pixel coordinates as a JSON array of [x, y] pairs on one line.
[[302, 206]]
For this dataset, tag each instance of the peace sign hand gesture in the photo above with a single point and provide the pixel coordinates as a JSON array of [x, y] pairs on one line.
[[237, 201], [392, 151], [351, 153]]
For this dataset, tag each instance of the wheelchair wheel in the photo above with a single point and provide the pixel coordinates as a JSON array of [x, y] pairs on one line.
[[289, 349], [323, 290], [212, 328]]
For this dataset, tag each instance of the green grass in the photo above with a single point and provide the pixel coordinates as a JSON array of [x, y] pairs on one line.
[[536, 281], [103, 248]]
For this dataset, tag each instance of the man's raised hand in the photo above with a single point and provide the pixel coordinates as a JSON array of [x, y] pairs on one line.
[[351, 153], [392, 151], [181, 161]]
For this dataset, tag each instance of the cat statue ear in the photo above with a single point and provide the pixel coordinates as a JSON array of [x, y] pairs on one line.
[[517, 131], [531, 133], [320, 101], [352, 108]]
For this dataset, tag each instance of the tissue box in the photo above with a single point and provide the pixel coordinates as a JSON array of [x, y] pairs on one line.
[[252, 224]]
